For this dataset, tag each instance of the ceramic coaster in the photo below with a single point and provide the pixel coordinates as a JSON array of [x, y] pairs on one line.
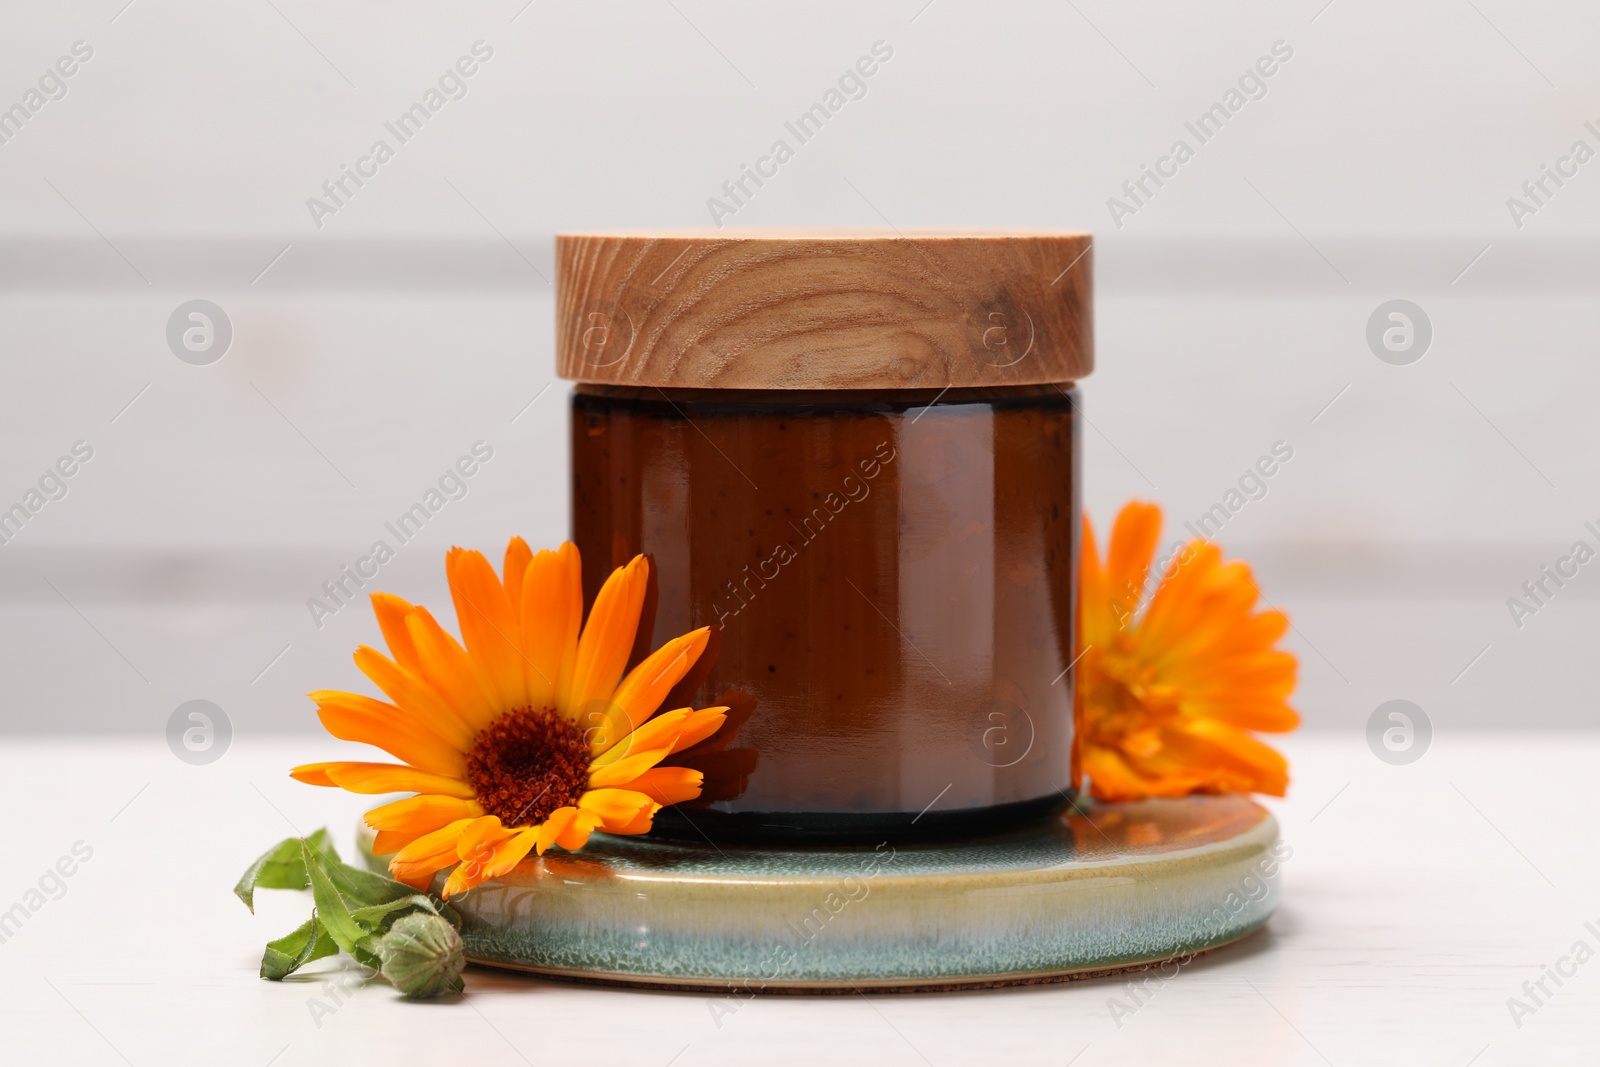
[[1106, 888]]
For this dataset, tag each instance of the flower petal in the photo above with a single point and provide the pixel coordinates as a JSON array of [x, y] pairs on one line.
[[475, 848], [490, 628], [352, 717], [552, 615], [1164, 701], [617, 807], [510, 852], [641, 692], [1112, 780], [388, 842], [554, 826], [669, 785], [512, 571], [453, 674], [502, 857], [479, 839], [422, 814], [576, 835], [313, 774], [1259, 764], [394, 778], [625, 770], [604, 646], [699, 726], [412, 693], [417, 862], [1096, 620], [659, 733], [391, 612], [1133, 545], [1179, 603]]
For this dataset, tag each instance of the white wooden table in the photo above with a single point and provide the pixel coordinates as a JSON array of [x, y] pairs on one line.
[[1418, 900]]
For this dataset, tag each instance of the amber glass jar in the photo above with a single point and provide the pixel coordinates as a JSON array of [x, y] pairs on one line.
[[884, 544]]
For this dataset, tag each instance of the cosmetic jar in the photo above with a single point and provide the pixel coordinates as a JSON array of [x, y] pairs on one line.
[[855, 458]]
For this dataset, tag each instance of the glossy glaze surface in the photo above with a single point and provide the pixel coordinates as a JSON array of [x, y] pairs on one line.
[[889, 578], [1114, 886]]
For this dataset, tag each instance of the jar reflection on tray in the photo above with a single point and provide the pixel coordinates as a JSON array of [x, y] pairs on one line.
[[890, 580], [889, 575]]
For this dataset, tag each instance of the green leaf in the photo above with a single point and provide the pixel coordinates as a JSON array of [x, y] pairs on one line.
[[293, 951], [331, 908], [354, 907], [281, 867], [364, 888]]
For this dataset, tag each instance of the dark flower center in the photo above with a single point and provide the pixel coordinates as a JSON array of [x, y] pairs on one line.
[[528, 763]]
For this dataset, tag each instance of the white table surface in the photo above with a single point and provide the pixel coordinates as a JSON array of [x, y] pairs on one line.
[[1418, 899]]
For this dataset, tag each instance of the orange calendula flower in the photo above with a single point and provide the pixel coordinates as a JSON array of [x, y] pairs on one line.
[[1166, 697], [530, 735]]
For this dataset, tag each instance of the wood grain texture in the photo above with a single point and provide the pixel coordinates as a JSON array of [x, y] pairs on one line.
[[823, 311]]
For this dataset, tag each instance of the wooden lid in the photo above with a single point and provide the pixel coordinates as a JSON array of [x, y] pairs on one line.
[[795, 310]]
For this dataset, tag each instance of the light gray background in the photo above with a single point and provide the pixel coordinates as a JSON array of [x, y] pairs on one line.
[[370, 353]]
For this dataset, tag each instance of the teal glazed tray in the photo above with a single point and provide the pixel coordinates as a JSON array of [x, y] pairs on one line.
[[1094, 890]]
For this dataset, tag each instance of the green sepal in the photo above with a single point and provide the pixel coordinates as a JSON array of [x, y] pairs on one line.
[[378, 918]]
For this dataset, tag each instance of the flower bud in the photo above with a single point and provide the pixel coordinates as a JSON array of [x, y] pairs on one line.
[[422, 956]]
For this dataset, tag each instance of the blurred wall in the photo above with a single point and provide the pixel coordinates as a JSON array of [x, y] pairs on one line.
[[377, 337]]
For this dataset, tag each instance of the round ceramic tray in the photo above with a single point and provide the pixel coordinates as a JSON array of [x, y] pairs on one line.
[[1098, 889]]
